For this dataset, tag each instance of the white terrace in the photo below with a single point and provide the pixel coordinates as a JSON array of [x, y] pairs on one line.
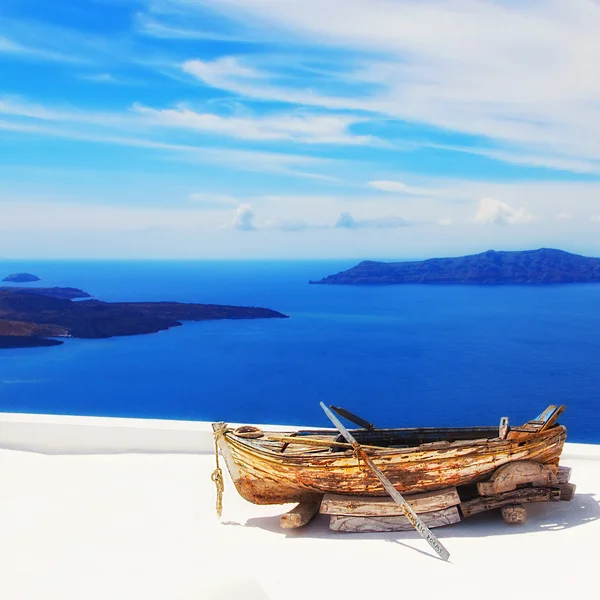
[[121, 509]]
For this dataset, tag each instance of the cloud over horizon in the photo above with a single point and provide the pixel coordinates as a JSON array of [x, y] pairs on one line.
[[492, 211], [347, 221], [243, 219]]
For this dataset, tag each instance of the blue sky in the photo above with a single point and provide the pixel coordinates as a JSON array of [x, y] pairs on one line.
[[298, 128]]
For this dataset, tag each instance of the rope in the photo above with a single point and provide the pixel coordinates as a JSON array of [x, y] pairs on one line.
[[217, 474], [356, 453], [249, 432]]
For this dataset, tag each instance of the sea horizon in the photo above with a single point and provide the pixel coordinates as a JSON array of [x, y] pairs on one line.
[[404, 355]]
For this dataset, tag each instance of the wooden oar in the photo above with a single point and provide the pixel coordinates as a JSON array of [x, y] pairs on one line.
[[353, 418], [308, 441], [416, 522]]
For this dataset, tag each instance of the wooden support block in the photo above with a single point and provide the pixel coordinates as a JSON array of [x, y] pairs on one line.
[[564, 474], [567, 491], [515, 514], [371, 506], [300, 515], [512, 475], [354, 524], [522, 496]]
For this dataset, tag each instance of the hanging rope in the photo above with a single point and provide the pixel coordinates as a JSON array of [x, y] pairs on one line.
[[217, 474]]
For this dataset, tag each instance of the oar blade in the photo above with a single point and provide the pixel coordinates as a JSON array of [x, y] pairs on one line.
[[353, 418]]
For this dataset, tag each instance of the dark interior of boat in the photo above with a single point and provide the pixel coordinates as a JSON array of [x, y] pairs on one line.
[[409, 438], [368, 435]]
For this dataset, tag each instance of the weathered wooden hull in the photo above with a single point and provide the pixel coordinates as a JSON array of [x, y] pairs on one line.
[[267, 476]]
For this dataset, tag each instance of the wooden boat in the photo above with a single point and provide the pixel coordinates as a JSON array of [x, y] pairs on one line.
[[301, 466]]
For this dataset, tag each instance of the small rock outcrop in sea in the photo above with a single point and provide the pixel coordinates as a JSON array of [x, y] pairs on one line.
[[543, 266], [33, 315], [21, 278]]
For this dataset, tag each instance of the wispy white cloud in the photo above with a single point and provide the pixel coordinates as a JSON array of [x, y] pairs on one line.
[[8, 46], [102, 78], [487, 76], [235, 75], [295, 165], [185, 20], [14, 106], [396, 187], [403, 189], [294, 127], [548, 160], [499, 213], [152, 27], [213, 201], [105, 130], [564, 216]]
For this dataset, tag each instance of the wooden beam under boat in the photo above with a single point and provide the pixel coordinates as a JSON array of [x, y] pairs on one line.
[[361, 506], [354, 524]]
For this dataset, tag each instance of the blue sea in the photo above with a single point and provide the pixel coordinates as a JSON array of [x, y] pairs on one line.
[[402, 356]]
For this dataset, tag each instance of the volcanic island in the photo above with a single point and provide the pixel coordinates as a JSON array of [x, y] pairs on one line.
[[542, 266], [33, 317]]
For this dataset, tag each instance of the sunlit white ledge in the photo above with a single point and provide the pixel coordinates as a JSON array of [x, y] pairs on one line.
[[66, 434], [97, 508]]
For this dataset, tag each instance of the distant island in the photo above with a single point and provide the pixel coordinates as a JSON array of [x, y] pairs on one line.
[[29, 317], [542, 266], [21, 278], [68, 293]]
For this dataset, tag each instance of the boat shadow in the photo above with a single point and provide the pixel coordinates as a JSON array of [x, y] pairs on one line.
[[542, 517], [318, 528]]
